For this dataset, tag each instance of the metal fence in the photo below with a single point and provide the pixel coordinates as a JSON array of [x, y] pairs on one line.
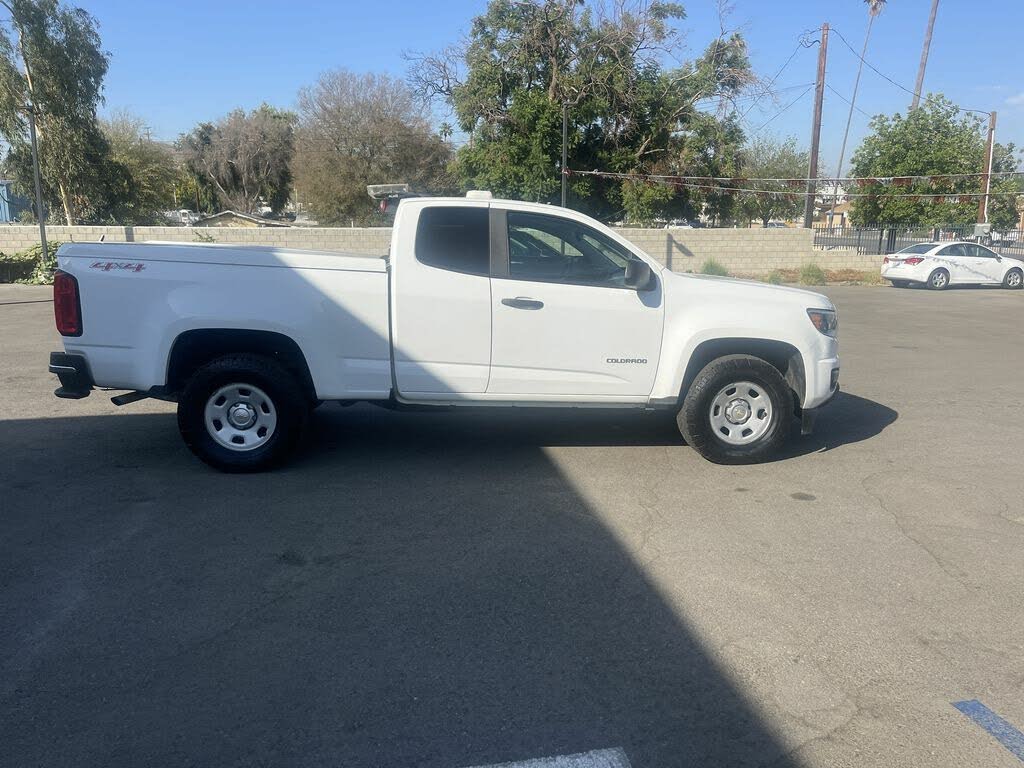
[[879, 241]]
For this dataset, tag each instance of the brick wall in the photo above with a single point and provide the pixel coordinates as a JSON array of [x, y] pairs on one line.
[[741, 251]]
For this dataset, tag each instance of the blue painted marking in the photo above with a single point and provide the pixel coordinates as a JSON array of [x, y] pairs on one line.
[[1003, 732]]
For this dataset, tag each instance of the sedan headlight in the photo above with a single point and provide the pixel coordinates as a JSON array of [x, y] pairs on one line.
[[825, 320]]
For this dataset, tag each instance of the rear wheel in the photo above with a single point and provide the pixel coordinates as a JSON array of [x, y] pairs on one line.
[[1014, 279], [738, 411], [242, 413], [938, 280]]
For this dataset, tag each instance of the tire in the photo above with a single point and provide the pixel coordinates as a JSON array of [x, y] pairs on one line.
[[1014, 279], [243, 394], [938, 280], [703, 415]]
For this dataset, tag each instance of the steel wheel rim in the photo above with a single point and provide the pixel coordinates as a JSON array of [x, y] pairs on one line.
[[939, 279], [1015, 279], [240, 417], [741, 413]]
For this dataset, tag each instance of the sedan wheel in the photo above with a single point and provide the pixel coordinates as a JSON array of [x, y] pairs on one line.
[[1014, 279], [938, 280]]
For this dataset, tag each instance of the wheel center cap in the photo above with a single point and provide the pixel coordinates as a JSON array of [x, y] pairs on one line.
[[737, 411], [241, 415]]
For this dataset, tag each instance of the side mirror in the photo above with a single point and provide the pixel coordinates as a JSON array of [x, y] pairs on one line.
[[638, 275]]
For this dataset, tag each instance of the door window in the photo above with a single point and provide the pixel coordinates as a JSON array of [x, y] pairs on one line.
[[953, 250], [454, 238], [554, 249], [980, 251]]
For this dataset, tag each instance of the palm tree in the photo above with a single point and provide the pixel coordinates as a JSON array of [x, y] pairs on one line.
[[874, 8]]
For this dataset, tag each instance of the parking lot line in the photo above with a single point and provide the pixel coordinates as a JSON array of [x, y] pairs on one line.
[[599, 758], [1003, 731]]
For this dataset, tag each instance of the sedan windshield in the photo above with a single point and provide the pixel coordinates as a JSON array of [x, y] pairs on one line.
[[918, 248]]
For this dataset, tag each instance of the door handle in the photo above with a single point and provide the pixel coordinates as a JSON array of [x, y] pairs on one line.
[[522, 302]]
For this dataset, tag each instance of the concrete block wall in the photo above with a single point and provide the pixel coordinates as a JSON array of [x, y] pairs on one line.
[[741, 251]]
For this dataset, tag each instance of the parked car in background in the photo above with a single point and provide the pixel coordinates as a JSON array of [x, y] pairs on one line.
[[939, 265]]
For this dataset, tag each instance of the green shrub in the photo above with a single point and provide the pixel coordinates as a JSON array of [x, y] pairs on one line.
[[775, 277], [33, 268], [712, 267], [811, 274]]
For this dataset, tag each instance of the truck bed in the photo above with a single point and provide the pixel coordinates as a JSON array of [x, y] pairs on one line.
[[228, 254]]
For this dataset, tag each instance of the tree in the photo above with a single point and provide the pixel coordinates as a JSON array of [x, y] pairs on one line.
[[933, 139], [359, 129], [524, 62], [149, 170], [245, 157], [772, 159], [51, 63]]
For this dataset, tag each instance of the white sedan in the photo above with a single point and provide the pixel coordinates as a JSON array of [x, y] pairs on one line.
[[939, 265]]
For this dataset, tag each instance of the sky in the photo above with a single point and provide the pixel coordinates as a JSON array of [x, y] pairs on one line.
[[178, 64]]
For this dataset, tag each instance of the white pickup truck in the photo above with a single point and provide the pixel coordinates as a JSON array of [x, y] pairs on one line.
[[481, 302]]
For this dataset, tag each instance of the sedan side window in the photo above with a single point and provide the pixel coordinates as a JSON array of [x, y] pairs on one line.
[[555, 249], [953, 250], [981, 252]]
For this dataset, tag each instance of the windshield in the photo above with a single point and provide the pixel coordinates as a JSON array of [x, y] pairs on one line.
[[918, 248]]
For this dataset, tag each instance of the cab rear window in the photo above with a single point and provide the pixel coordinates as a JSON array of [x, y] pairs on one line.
[[454, 238]]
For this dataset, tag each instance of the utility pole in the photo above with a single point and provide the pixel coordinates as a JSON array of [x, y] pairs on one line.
[[986, 184], [819, 94], [919, 86], [565, 140], [40, 206]]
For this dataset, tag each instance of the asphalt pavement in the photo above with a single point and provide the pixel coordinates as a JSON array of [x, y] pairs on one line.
[[478, 587]]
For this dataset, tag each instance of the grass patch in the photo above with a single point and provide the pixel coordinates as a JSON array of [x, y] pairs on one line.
[[712, 267], [812, 274], [775, 277]]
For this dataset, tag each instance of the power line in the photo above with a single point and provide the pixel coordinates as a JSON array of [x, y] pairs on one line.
[[837, 93], [885, 77], [955, 197], [767, 89], [863, 180], [781, 111]]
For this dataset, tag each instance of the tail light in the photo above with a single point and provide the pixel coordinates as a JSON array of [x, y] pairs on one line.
[[885, 260], [913, 261], [67, 305]]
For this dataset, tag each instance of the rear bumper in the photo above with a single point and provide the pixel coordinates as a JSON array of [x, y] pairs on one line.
[[76, 380]]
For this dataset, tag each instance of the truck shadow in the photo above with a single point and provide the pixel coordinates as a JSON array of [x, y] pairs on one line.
[[846, 420], [416, 601]]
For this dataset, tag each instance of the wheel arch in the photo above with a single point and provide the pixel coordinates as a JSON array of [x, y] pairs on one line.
[[195, 348], [781, 355]]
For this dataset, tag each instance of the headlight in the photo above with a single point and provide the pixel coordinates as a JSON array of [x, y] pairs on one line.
[[825, 320]]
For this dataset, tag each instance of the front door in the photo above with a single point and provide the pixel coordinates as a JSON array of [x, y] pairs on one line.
[[986, 262], [563, 322]]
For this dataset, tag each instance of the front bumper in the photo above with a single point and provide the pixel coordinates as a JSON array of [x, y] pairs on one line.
[[809, 415], [76, 380]]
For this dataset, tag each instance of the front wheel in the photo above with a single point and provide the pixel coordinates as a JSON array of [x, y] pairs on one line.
[[242, 413], [737, 411], [1014, 279]]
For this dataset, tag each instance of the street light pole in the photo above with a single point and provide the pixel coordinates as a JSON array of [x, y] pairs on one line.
[[987, 178], [40, 207], [565, 151]]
